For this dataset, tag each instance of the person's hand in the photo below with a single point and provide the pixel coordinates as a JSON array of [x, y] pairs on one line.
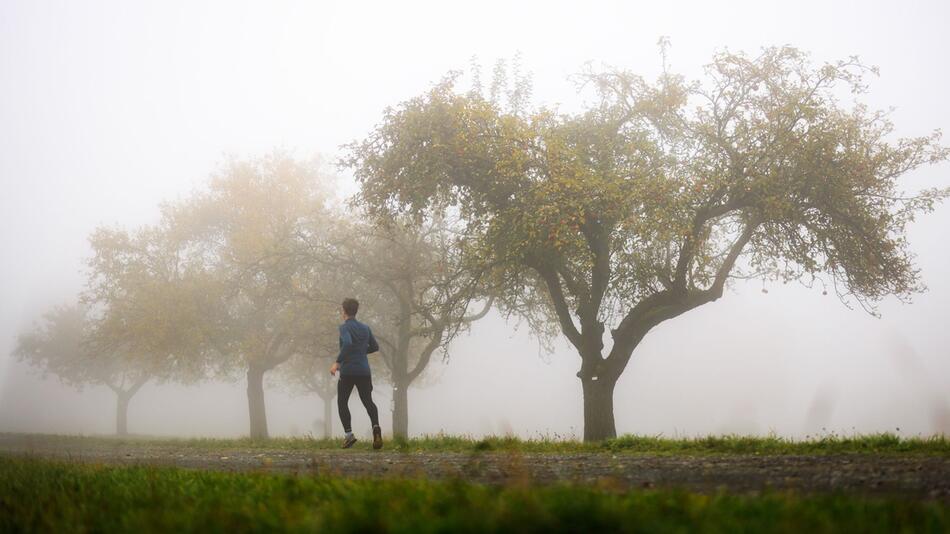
[[334, 368]]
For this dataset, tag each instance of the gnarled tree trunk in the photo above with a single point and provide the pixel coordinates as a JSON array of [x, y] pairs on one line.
[[255, 402], [599, 408]]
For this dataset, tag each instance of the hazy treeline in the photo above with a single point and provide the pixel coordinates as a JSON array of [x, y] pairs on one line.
[[597, 226], [246, 277]]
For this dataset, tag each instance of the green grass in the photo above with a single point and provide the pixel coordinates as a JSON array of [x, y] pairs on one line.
[[829, 444], [38, 495]]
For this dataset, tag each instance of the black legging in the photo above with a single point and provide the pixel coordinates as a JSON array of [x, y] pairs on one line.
[[364, 385]]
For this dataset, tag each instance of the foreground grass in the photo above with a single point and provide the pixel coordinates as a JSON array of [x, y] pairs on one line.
[[37, 495], [830, 444]]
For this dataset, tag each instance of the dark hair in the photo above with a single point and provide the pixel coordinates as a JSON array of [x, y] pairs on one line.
[[351, 306]]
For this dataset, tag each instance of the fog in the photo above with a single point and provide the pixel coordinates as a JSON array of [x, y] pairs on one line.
[[109, 108]]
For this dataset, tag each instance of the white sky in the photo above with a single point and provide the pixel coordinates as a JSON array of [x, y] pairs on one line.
[[108, 108]]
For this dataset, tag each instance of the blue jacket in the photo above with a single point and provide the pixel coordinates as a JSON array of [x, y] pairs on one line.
[[356, 341]]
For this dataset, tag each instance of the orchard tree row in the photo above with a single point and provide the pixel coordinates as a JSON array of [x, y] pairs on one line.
[[245, 278], [596, 226]]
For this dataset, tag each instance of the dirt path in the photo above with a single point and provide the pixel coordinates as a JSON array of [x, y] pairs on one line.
[[926, 477]]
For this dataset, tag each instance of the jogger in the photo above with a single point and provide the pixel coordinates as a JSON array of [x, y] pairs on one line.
[[356, 341]]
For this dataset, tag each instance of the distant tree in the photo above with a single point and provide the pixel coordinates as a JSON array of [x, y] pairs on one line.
[[309, 374], [308, 371], [643, 207], [136, 321], [247, 226], [147, 307], [420, 293], [322, 285], [59, 345]]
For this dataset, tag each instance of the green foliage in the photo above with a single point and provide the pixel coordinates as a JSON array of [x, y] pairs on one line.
[[55, 497], [642, 197]]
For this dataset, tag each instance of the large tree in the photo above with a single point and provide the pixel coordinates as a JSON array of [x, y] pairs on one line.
[[417, 293], [643, 207], [148, 309], [247, 225]]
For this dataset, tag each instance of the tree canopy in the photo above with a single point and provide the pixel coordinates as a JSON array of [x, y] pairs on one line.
[[642, 207], [246, 230]]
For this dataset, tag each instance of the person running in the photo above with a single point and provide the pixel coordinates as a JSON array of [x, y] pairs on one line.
[[356, 341]]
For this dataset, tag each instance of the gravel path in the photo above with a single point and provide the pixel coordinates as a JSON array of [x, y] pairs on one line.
[[921, 477]]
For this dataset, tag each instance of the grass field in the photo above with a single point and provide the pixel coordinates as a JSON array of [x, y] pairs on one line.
[[41, 495], [830, 444]]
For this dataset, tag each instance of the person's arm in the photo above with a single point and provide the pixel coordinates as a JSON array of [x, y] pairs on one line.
[[346, 343], [373, 345]]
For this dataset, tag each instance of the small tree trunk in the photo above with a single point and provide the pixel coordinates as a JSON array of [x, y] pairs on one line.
[[122, 413], [327, 417], [255, 402], [599, 408], [400, 409]]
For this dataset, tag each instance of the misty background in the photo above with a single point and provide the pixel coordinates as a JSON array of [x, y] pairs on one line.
[[109, 108]]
